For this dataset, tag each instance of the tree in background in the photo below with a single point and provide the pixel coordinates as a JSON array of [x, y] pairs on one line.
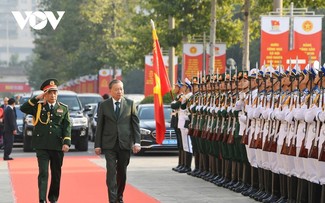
[[116, 33]]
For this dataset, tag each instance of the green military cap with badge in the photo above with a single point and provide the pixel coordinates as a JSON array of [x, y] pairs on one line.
[[49, 84]]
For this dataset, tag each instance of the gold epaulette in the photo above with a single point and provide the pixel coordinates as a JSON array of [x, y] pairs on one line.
[[287, 101], [316, 99], [307, 99], [255, 101]]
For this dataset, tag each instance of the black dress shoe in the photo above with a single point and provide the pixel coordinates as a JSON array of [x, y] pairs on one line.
[[53, 201], [42, 201], [120, 200], [7, 158], [185, 170], [176, 168]]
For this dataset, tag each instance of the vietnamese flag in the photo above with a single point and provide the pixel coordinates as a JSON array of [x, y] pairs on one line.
[[161, 87]]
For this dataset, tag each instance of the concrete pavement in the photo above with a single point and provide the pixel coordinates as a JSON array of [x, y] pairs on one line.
[[153, 175]]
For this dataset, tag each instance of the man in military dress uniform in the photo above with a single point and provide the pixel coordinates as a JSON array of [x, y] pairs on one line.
[[51, 136], [175, 106]]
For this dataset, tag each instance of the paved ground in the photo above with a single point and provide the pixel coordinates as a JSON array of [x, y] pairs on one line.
[[153, 175]]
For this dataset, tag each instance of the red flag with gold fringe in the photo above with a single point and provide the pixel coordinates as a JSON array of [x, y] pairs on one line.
[[161, 87]]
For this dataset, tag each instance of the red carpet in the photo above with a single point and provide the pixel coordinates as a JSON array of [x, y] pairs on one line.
[[82, 181]]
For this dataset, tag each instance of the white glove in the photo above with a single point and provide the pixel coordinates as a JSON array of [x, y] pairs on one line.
[[258, 112], [311, 114], [242, 95], [250, 112], [299, 113], [280, 115], [243, 118], [242, 124], [289, 117], [239, 105]]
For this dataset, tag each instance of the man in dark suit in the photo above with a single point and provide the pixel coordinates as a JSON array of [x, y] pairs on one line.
[[51, 136], [10, 129], [2, 109], [117, 133]]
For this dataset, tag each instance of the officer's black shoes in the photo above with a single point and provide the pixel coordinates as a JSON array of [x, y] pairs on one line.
[[271, 199], [241, 188], [185, 170], [191, 173], [42, 201], [237, 184], [7, 158], [53, 201], [257, 194], [176, 168], [250, 191], [181, 168], [281, 200], [264, 196]]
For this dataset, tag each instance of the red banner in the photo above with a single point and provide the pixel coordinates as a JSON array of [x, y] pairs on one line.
[[192, 60], [274, 39], [83, 84], [105, 76], [308, 36], [91, 83], [148, 73], [15, 87], [219, 59]]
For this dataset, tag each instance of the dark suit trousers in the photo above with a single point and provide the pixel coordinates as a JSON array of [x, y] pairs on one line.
[[117, 160], [55, 159], [8, 142]]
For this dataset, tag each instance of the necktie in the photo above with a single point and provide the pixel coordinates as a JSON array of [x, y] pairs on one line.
[[51, 108], [117, 109]]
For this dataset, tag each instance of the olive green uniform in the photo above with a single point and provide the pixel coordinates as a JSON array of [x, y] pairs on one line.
[[52, 130]]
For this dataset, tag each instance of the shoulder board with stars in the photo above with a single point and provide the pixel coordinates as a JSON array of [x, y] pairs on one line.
[[60, 103]]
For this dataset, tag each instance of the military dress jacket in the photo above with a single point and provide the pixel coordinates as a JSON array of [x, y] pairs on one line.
[[51, 129]]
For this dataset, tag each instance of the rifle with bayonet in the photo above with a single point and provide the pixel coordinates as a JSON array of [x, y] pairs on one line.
[[313, 153], [228, 105], [198, 113], [219, 124], [285, 146], [273, 138], [212, 105], [244, 139], [259, 140], [303, 150], [253, 140], [231, 138], [267, 142]]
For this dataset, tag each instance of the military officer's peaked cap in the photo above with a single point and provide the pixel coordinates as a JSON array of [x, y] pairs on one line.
[[252, 73], [179, 83], [50, 84], [323, 68]]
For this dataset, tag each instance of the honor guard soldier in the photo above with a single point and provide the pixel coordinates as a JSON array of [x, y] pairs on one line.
[[192, 105], [51, 136], [175, 106], [241, 121], [183, 122]]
